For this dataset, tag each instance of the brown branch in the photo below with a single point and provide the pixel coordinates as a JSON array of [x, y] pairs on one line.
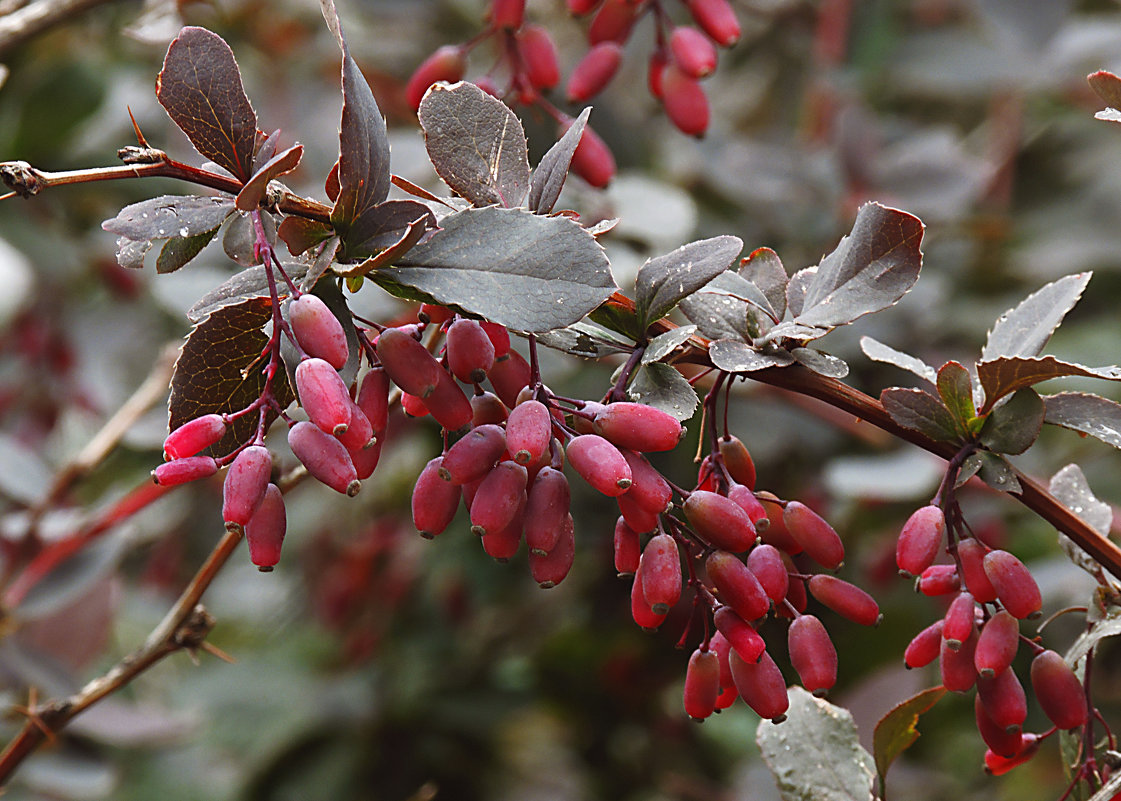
[[21, 24], [184, 627]]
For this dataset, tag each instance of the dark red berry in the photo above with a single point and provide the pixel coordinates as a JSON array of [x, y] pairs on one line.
[[550, 569], [660, 567], [448, 405], [594, 71], [245, 484], [529, 430], [373, 399], [365, 460], [323, 395], [180, 471], [637, 517], [408, 363], [971, 555], [1015, 588], [413, 406], [720, 521], [359, 434], [812, 654], [470, 351], [744, 639], [501, 544], [775, 532], [1004, 700], [547, 510], [638, 427], [761, 685], [1059, 691], [473, 456], [655, 68], [593, 160], [737, 461], [264, 533], [920, 540], [434, 500], [600, 464], [939, 580], [318, 330], [487, 408], [628, 548], [745, 498], [1000, 739], [847, 600], [736, 585], [649, 489], [702, 684], [324, 457], [958, 672], [499, 337], [765, 561], [498, 498], [509, 376], [816, 537], [194, 435], [997, 644], [581, 7], [643, 615], [448, 63], [997, 765]]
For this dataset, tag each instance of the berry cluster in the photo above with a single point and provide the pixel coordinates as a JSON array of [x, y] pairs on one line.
[[976, 641], [528, 66]]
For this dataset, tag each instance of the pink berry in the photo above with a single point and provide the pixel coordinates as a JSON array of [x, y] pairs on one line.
[[628, 549], [643, 615], [550, 569], [194, 435], [736, 585], [547, 510], [1001, 740], [959, 620], [434, 500], [448, 405], [373, 399], [324, 457], [594, 71], [507, 14], [539, 55], [613, 22], [600, 464], [470, 351], [717, 19], [318, 331], [971, 554], [529, 430], [473, 455], [685, 102], [920, 540], [1004, 699], [693, 52], [744, 639], [638, 427], [765, 561], [245, 484], [323, 395], [181, 471], [958, 671], [592, 160], [924, 647], [997, 644], [498, 498], [939, 580], [408, 362], [264, 533]]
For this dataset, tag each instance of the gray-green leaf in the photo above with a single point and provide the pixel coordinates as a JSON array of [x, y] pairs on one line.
[[662, 387], [1014, 426], [879, 352], [664, 280], [734, 356], [1083, 411], [1024, 330]]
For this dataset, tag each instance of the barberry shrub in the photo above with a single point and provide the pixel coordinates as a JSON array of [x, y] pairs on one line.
[[739, 576]]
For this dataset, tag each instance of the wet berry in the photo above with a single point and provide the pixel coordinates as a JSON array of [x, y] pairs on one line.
[[649, 489], [501, 544], [529, 430], [637, 517]]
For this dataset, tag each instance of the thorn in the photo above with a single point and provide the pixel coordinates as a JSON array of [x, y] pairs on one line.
[[214, 650], [32, 714], [136, 129]]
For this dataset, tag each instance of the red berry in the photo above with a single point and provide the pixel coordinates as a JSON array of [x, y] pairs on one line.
[[365, 460], [498, 498], [997, 644], [720, 521], [318, 330], [660, 567], [413, 406], [717, 19], [487, 408], [709, 477], [1004, 700], [581, 7], [323, 395], [775, 533], [550, 569], [795, 596], [847, 600], [816, 537], [324, 457], [693, 52], [433, 313], [507, 14], [408, 362], [448, 405], [643, 615], [434, 500], [960, 620], [971, 554], [194, 435], [925, 647], [736, 585], [702, 684], [638, 427], [539, 55], [765, 561], [359, 434], [649, 489], [685, 102], [1015, 588], [655, 68], [638, 518], [245, 484], [613, 22], [373, 399], [920, 540], [473, 456], [737, 461], [958, 672], [529, 430], [180, 471], [742, 636], [628, 548], [746, 500], [594, 71], [600, 464], [721, 647], [761, 685], [509, 376], [1000, 740], [470, 351], [499, 337], [812, 654], [264, 533], [939, 580], [448, 63], [547, 510], [1058, 690], [592, 160], [501, 544], [996, 765]]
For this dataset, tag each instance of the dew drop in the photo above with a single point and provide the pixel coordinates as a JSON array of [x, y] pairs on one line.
[[183, 231]]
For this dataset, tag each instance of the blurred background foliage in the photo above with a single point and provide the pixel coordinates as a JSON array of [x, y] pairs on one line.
[[376, 665]]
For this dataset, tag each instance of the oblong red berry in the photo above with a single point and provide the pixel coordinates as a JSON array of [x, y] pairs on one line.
[[434, 313], [499, 337], [628, 548], [599, 463], [1058, 690], [373, 399], [413, 406], [509, 375], [720, 645], [1004, 699], [473, 455], [924, 647], [470, 351], [720, 521], [408, 363], [324, 457], [744, 639], [958, 672], [775, 532], [736, 585], [593, 160], [997, 644], [765, 561], [359, 432], [539, 56], [920, 540], [448, 405], [637, 517], [685, 102], [660, 567], [971, 555], [529, 430], [547, 510], [447, 63], [812, 654], [649, 489], [264, 533], [507, 14], [365, 460], [638, 427], [1015, 588], [498, 498], [816, 536], [737, 460], [693, 52], [181, 471], [997, 765], [960, 620], [761, 685], [581, 7], [847, 600], [702, 684], [194, 435], [795, 595], [501, 544], [939, 580], [323, 395], [1000, 740], [717, 19], [613, 21], [594, 71], [434, 501], [487, 408], [643, 615], [318, 331], [245, 484], [550, 569], [742, 495]]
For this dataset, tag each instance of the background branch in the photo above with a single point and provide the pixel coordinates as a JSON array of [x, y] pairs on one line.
[[33, 18]]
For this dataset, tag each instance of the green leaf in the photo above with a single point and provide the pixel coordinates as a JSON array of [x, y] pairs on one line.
[[1013, 426], [548, 179], [820, 362], [363, 151], [476, 143], [616, 319], [718, 315], [955, 387], [664, 344], [998, 473], [200, 88], [178, 251], [763, 268], [661, 386], [254, 190], [920, 411], [969, 468], [219, 369], [664, 280], [585, 340], [735, 286], [518, 269], [1008, 374], [897, 730], [871, 268], [815, 754], [1082, 411], [879, 352], [734, 356], [1024, 330]]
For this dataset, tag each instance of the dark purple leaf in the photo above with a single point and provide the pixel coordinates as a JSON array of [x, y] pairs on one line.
[[301, 234], [407, 239], [249, 283], [764, 268], [363, 151], [797, 287], [1083, 411], [820, 362], [998, 473], [1024, 330], [548, 179], [476, 144], [871, 269], [383, 225], [664, 280], [1005, 375], [522, 270], [253, 192], [920, 411], [718, 315], [584, 340], [1013, 426], [200, 87]]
